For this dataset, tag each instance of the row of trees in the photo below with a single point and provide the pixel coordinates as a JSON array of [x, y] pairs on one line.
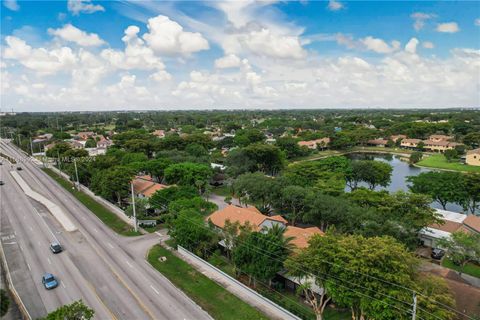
[[449, 187]]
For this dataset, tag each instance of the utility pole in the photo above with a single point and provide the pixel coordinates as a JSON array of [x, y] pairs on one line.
[[31, 146], [414, 311], [59, 162], [76, 173], [18, 139], [133, 204]]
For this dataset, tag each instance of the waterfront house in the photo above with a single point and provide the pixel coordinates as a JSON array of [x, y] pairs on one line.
[[410, 143], [473, 157], [451, 222]]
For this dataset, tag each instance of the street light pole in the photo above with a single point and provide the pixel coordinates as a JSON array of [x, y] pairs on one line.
[[134, 212], [76, 173]]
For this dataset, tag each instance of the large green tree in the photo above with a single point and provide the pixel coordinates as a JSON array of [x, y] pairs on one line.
[[374, 173], [443, 186], [262, 254], [189, 174], [349, 268], [113, 183], [190, 230], [462, 247], [76, 310]]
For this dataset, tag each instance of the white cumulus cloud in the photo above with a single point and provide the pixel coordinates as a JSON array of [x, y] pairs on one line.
[[448, 27], [11, 4], [228, 61], [165, 36], [420, 18], [71, 33], [428, 45], [411, 46], [334, 5], [379, 46], [83, 6]]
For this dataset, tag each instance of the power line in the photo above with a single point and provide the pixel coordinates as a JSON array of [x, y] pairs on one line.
[[256, 248]]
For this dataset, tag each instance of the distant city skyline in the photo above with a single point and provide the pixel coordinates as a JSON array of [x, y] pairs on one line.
[[150, 55]]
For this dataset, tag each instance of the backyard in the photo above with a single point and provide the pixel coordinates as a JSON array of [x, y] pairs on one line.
[[439, 161]]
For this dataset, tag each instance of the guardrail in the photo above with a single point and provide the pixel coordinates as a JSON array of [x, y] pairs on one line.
[[285, 313]]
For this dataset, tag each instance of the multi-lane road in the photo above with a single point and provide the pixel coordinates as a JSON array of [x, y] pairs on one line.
[[109, 272]]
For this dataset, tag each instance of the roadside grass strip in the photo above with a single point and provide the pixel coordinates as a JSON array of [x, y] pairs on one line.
[[107, 217], [212, 297]]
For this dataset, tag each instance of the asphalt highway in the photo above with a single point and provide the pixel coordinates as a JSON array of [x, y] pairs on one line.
[[109, 272]]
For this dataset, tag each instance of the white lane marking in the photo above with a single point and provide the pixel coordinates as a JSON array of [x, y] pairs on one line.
[[94, 229], [154, 290], [129, 264], [31, 229], [110, 245], [49, 262], [84, 218], [46, 225], [63, 284], [29, 267]]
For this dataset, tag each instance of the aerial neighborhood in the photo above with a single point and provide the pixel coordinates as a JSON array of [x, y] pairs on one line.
[[271, 200]]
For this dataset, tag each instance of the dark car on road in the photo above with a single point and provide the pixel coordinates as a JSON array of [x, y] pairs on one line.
[[2, 183], [49, 281], [438, 254], [56, 247], [19, 168]]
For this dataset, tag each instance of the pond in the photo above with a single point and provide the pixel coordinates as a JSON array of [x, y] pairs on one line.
[[401, 170]]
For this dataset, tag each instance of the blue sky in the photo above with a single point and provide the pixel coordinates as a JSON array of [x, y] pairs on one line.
[[242, 54]]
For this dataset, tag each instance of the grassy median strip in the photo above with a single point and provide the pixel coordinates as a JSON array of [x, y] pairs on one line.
[[107, 217], [212, 297], [439, 161]]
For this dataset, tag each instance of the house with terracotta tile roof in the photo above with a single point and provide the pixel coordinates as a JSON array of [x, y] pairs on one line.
[[314, 144], [145, 187], [439, 137], [397, 137], [410, 143], [258, 222], [451, 222], [378, 142], [439, 146], [159, 133]]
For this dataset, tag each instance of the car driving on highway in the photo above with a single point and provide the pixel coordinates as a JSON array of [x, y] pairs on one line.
[[49, 281], [56, 247], [2, 183]]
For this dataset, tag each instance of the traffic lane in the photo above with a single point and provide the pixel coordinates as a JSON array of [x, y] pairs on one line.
[[164, 298], [18, 269], [171, 303], [27, 241], [123, 302], [118, 262], [71, 286]]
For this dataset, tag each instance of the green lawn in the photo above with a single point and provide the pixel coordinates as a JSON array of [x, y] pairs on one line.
[[107, 217], [213, 298], [470, 268], [439, 161]]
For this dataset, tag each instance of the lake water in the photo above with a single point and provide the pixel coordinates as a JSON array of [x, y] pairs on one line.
[[401, 170]]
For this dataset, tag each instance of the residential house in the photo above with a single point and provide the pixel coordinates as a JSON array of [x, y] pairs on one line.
[[258, 221], [377, 142], [85, 135], [439, 137], [315, 144], [439, 145], [473, 157], [145, 187], [397, 137], [104, 143], [270, 141], [410, 143], [159, 133], [77, 144], [452, 222]]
